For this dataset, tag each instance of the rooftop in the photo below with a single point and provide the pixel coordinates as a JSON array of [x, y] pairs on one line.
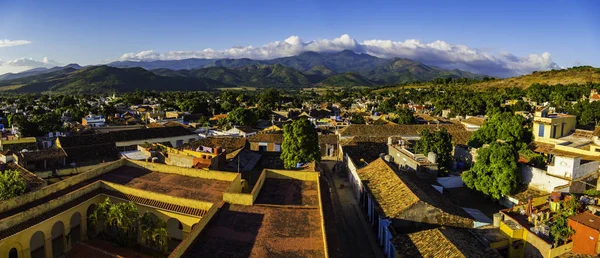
[[396, 192], [276, 138], [441, 242], [261, 231], [288, 192], [587, 219], [171, 184]]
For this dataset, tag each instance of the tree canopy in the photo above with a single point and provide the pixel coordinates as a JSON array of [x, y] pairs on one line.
[[404, 116], [503, 126], [496, 172], [242, 116], [11, 184], [300, 143], [438, 142]]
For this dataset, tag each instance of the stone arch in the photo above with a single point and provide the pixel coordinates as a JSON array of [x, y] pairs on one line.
[[58, 239], [75, 231], [175, 231], [36, 245]]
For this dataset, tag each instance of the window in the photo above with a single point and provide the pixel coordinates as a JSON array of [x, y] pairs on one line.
[[554, 131], [541, 132]]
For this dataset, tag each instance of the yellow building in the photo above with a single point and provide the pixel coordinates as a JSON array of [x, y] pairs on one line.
[[552, 126], [53, 221]]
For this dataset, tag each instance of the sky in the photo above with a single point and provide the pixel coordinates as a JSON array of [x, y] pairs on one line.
[[501, 38]]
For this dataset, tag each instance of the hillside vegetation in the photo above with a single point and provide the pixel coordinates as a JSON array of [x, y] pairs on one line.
[[571, 76]]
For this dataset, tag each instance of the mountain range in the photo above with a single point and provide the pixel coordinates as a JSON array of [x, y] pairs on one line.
[[340, 69]]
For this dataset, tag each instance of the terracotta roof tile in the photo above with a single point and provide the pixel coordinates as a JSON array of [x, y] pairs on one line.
[[441, 242], [267, 137]]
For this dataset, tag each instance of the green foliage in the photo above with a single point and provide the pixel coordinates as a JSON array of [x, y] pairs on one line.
[[503, 126], [592, 192], [588, 113], [560, 229], [357, 119], [533, 158], [242, 116], [438, 142], [300, 143], [153, 233], [496, 172], [117, 223], [404, 116], [121, 223], [11, 184]]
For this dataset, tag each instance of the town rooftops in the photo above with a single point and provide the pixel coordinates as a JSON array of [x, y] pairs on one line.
[[441, 242], [477, 121], [123, 136], [328, 139], [587, 219], [246, 129]]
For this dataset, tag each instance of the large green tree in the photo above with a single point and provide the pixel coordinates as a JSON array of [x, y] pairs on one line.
[[300, 143], [496, 172], [11, 184], [242, 116], [438, 142], [506, 127], [404, 116]]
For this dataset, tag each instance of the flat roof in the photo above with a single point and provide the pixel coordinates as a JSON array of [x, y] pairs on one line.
[[288, 192], [261, 231], [170, 184]]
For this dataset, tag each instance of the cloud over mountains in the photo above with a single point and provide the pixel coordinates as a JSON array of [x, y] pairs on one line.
[[24, 64], [437, 53]]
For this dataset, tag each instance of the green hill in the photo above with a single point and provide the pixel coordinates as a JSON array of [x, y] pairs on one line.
[[574, 75], [400, 70], [346, 80]]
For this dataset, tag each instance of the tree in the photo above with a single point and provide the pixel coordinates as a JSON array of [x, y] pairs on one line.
[[404, 116], [503, 126], [357, 119], [438, 142], [117, 223], [242, 116], [153, 233], [300, 144], [496, 172], [11, 184]]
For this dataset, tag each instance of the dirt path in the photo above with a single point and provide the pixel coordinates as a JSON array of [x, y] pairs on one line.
[[356, 238]]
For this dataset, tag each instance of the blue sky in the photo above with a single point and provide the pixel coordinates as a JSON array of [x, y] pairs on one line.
[[91, 32]]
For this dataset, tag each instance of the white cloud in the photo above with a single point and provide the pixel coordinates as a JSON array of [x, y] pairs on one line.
[[437, 53], [24, 64], [12, 43]]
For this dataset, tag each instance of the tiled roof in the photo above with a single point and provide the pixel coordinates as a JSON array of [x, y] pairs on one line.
[[390, 192], [246, 129], [157, 204], [441, 242], [328, 139], [395, 192], [125, 135], [228, 143], [461, 137], [369, 151], [42, 154], [587, 219], [267, 137], [105, 151], [479, 121], [394, 130]]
